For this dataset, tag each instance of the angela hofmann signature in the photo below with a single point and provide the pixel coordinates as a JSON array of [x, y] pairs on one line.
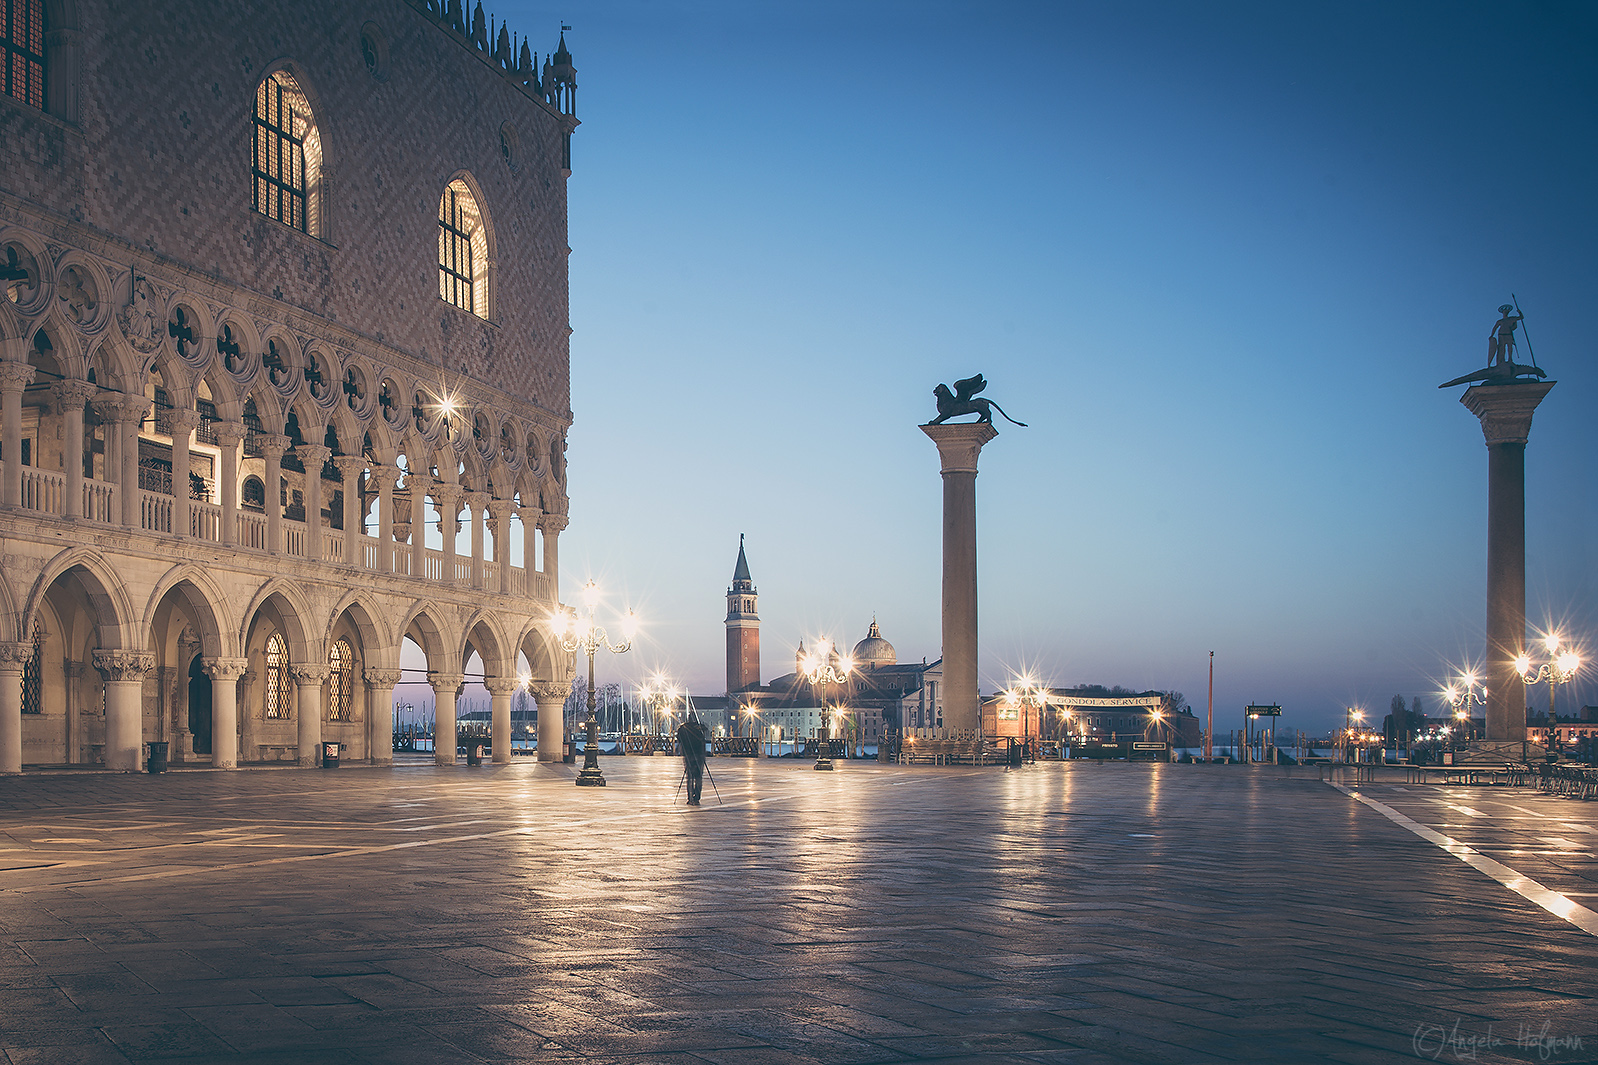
[[1438, 1041]]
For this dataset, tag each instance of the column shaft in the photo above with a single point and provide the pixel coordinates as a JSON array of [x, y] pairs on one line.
[[224, 674], [228, 435], [380, 714], [500, 690], [550, 697], [1506, 589], [446, 686], [309, 681], [13, 656], [14, 377]]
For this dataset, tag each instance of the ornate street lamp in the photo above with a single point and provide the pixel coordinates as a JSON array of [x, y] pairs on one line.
[[819, 667], [751, 714], [1027, 696], [1350, 717], [585, 634], [1560, 667], [1460, 699], [660, 695]]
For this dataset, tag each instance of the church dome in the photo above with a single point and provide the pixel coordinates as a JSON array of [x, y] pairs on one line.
[[874, 651]]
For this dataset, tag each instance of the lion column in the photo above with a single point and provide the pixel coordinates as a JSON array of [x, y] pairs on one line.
[[958, 447]]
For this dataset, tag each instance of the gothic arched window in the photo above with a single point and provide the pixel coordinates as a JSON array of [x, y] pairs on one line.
[[22, 48], [341, 682], [33, 669], [277, 677], [254, 494], [287, 162], [462, 250]]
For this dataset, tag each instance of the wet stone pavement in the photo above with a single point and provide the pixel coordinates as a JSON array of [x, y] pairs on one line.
[[1058, 913]]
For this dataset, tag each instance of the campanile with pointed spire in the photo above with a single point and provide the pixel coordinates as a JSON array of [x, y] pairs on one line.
[[743, 628]]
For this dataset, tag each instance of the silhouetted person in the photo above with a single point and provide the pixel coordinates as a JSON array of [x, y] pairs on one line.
[[691, 742]]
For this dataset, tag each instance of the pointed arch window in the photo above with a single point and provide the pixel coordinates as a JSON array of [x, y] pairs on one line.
[[287, 161], [341, 682], [22, 48], [33, 668], [277, 677], [462, 250]]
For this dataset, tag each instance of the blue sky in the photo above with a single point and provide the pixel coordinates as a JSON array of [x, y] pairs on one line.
[[1218, 257]]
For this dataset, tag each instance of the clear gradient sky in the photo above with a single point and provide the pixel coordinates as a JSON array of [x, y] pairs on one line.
[[1219, 256]]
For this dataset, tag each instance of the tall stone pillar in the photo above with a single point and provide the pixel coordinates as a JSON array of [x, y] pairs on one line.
[[228, 437], [384, 477], [308, 681], [130, 414], [224, 674], [477, 504], [124, 673], [418, 486], [529, 517], [499, 510], [14, 378], [446, 687], [1505, 411], [350, 468], [550, 697], [500, 690], [272, 448], [13, 657], [958, 448], [313, 456], [70, 396], [552, 524], [448, 496], [380, 714], [183, 422]]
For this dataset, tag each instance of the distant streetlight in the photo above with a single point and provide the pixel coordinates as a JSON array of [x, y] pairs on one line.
[[1027, 695], [1562, 665], [751, 714], [819, 667], [1350, 718], [1462, 696], [584, 633], [659, 695]]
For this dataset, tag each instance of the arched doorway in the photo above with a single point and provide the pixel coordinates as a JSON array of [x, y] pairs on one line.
[[199, 707]]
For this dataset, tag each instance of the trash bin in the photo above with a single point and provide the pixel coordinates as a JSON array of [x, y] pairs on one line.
[[474, 754], [1016, 752], [157, 763], [330, 755]]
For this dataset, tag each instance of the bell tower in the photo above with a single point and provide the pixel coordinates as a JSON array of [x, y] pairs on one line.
[[743, 628]]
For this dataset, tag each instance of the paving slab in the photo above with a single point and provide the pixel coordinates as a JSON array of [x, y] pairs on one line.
[[1074, 913]]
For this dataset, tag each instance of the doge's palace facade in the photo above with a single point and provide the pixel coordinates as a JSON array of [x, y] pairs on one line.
[[284, 374]]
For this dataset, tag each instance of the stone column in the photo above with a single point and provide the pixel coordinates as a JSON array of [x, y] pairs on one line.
[[228, 437], [500, 510], [500, 690], [552, 524], [550, 697], [958, 447], [224, 674], [184, 422], [272, 448], [449, 505], [530, 517], [385, 477], [124, 705], [477, 503], [70, 396], [1505, 412], [350, 468], [130, 414], [313, 456], [446, 687], [380, 714], [419, 489], [13, 657], [308, 705], [14, 378]]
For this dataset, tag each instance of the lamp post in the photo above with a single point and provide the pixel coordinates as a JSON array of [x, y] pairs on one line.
[[1461, 700], [1028, 696], [1350, 718], [660, 695], [586, 634], [750, 715], [1561, 666], [820, 668]]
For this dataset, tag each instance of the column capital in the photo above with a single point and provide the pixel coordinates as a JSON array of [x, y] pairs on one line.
[[382, 477], [225, 668], [960, 443], [304, 675], [500, 509], [123, 665], [120, 407], [15, 376], [383, 678], [1505, 410], [349, 464], [476, 500], [446, 491], [445, 681], [549, 691], [183, 420], [13, 656], [228, 434], [500, 685], [72, 394], [530, 515], [313, 456], [553, 523], [272, 444]]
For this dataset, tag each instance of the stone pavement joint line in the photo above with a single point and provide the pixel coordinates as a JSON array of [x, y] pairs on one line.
[[1554, 902]]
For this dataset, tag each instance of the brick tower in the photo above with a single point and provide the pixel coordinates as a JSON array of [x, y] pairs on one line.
[[743, 628]]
